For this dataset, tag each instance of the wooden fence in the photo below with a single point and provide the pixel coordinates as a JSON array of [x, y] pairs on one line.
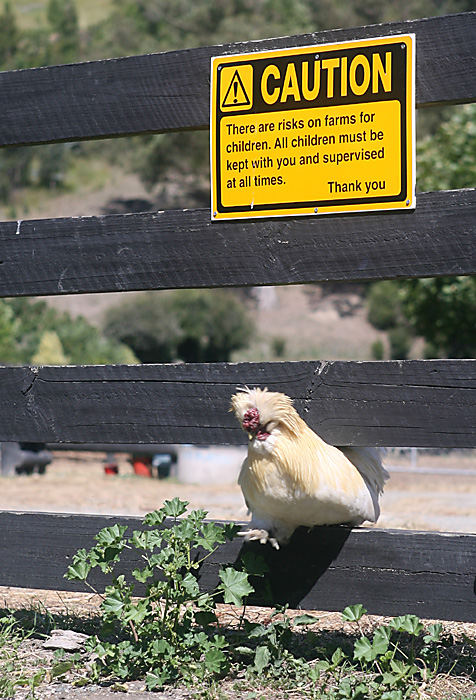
[[413, 403]]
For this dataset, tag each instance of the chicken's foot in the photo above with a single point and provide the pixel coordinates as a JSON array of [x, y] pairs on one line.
[[257, 534]]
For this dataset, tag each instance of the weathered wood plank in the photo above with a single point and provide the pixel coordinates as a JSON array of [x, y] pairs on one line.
[[167, 91], [390, 571], [174, 249], [419, 403]]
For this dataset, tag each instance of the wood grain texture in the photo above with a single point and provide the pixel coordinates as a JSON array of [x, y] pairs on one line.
[[415, 402], [390, 571], [170, 91], [174, 249]]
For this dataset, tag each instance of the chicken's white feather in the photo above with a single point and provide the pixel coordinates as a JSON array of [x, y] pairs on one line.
[[292, 477]]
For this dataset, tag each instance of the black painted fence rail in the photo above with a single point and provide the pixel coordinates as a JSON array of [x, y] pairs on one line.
[[184, 249], [414, 402], [168, 91], [425, 573]]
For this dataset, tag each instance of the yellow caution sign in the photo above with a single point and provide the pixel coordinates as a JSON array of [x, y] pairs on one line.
[[314, 130]]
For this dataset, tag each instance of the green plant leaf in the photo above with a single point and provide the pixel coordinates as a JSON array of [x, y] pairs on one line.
[[156, 517], [254, 564], [337, 657], [205, 618], [210, 536], [235, 585], [215, 660], [345, 689], [156, 679], [61, 668], [161, 647], [407, 623], [262, 658], [113, 603], [246, 651], [142, 575], [174, 508], [305, 619], [79, 570], [230, 530], [363, 649], [434, 633], [352, 613], [381, 640], [401, 669], [190, 585], [111, 535], [138, 612]]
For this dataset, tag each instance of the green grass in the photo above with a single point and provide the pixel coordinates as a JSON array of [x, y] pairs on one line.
[[13, 674]]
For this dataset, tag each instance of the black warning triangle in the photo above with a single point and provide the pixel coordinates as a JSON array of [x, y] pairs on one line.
[[236, 94]]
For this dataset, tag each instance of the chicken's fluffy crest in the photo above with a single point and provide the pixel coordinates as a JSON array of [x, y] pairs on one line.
[[272, 406]]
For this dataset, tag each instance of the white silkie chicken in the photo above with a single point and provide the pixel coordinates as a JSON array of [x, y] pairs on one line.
[[292, 477]]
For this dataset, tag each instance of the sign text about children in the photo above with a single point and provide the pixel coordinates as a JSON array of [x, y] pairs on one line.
[[313, 130]]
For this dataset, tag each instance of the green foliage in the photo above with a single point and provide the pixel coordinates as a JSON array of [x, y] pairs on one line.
[[439, 309], [442, 311], [383, 304], [8, 332], [447, 159], [385, 312], [190, 325], [147, 324], [33, 332], [50, 350], [378, 350], [13, 675], [63, 20], [389, 664], [278, 346], [9, 34], [214, 324], [169, 635], [400, 339]]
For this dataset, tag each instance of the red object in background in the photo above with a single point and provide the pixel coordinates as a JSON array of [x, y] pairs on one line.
[[111, 469], [142, 467]]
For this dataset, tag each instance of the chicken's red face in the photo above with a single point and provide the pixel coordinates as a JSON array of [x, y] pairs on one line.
[[251, 423]]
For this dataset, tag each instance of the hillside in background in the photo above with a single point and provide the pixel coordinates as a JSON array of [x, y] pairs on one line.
[[166, 171]]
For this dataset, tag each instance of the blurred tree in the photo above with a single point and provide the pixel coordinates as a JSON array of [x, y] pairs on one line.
[[9, 34], [443, 311], [146, 323], [65, 41], [8, 328], [190, 325], [383, 305], [378, 350], [385, 312], [447, 158], [50, 351], [214, 324], [29, 329]]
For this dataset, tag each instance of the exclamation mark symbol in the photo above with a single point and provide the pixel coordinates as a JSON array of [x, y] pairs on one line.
[[235, 90]]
